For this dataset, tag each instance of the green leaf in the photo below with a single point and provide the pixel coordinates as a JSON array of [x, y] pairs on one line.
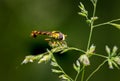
[[115, 25]]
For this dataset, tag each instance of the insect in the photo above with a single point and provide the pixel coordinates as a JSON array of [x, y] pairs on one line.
[[55, 38], [56, 35]]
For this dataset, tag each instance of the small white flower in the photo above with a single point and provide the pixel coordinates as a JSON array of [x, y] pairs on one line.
[[28, 59], [117, 60], [44, 58], [84, 59]]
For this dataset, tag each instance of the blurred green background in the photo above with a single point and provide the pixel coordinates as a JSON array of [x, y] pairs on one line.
[[19, 17]]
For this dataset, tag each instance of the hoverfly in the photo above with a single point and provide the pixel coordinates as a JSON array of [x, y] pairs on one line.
[[54, 34], [55, 39]]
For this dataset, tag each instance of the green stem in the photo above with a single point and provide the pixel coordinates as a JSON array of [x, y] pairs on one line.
[[96, 70], [83, 73], [61, 68], [100, 55], [91, 29], [106, 23], [73, 48], [90, 35], [77, 75]]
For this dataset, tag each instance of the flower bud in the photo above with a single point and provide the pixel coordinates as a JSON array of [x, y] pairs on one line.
[[107, 49], [110, 64], [91, 50]]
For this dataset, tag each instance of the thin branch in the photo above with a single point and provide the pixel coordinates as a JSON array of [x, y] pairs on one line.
[[96, 70], [106, 23], [100, 55], [62, 69], [77, 75], [83, 73]]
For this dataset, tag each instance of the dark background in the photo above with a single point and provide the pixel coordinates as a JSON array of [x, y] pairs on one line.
[[19, 17]]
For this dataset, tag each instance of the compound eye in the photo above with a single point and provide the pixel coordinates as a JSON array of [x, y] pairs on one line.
[[61, 36]]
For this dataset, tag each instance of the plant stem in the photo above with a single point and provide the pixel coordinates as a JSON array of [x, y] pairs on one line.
[[96, 70], [73, 48], [106, 23], [83, 73], [77, 75], [62, 69], [90, 35], [91, 25], [100, 55]]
